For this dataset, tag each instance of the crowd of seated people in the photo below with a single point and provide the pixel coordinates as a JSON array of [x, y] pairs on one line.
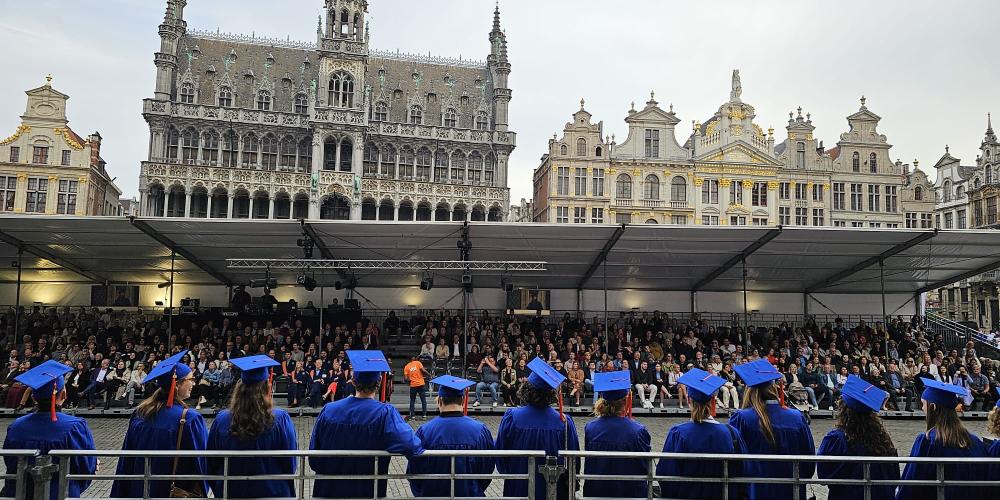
[[110, 352]]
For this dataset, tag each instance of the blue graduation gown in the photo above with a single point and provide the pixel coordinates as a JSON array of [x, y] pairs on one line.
[[615, 434], [358, 424], [792, 437], [927, 446], [37, 431], [709, 437], [281, 436], [160, 434], [835, 444], [452, 431], [531, 428]]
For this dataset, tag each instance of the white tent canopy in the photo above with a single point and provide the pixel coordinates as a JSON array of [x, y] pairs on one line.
[[643, 257]]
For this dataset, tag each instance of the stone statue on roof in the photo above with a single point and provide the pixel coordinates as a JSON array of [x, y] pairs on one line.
[[737, 91]]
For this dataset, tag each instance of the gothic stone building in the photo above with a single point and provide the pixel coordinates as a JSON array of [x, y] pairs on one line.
[[728, 172], [248, 127], [46, 168]]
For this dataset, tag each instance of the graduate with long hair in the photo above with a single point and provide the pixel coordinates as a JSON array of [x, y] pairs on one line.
[[945, 437], [614, 430], [49, 429], [768, 428], [535, 425], [702, 435], [252, 423], [858, 432], [163, 422]]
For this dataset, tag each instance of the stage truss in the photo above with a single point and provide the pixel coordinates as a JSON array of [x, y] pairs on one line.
[[388, 265]]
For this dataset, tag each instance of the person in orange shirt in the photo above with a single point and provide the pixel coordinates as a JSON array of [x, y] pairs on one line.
[[415, 375]]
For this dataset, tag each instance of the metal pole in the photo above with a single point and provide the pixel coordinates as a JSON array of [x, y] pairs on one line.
[[465, 329], [885, 320], [746, 311], [322, 305], [607, 333], [170, 318], [17, 299]]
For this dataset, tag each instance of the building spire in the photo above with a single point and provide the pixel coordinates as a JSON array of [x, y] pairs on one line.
[[989, 124], [496, 18]]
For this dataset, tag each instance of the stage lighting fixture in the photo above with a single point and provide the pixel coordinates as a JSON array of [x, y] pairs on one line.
[[267, 283], [307, 244], [427, 283], [165, 284], [307, 282], [350, 284], [467, 282], [506, 285]]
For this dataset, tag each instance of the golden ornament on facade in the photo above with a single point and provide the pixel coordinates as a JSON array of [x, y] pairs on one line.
[[725, 182], [809, 185], [698, 181], [636, 172], [772, 185], [21, 130], [747, 184], [21, 177], [64, 133], [612, 171]]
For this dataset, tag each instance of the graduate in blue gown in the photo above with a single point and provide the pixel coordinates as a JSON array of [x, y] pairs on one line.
[[859, 433], [993, 425], [614, 430], [360, 422], [536, 426], [48, 429], [452, 430], [252, 423], [768, 428], [702, 435], [945, 437], [155, 425]]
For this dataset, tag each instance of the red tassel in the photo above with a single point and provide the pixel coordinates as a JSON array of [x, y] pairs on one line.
[[53, 408], [385, 379], [173, 388], [561, 415], [628, 405], [465, 404], [781, 396], [270, 381], [711, 407]]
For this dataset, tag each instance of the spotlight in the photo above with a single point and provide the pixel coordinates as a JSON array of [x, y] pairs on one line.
[[467, 282], [307, 244], [165, 284], [427, 283], [506, 285], [307, 282], [350, 284], [267, 283]]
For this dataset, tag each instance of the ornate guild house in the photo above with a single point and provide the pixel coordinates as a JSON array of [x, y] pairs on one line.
[[250, 127]]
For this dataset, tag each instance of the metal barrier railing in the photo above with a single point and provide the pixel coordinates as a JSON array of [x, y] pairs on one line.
[[939, 483], [300, 477], [23, 459], [548, 467], [956, 335]]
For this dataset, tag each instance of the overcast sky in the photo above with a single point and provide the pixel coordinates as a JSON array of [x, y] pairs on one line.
[[927, 67]]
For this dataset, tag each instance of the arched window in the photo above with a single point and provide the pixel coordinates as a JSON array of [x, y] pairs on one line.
[[856, 162], [450, 118], [598, 152], [155, 200], [405, 211], [189, 145], [416, 115], [219, 203], [225, 97], [369, 211], [459, 213], [442, 212], [230, 149], [423, 211], [346, 155], [388, 161], [345, 23], [947, 191], [305, 154], [581, 147], [335, 207], [261, 205], [175, 202], [210, 147], [441, 166], [380, 112], [406, 162], [287, 158], [623, 187], [187, 93], [424, 165], [989, 175], [300, 206], [370, 162], [301, 104], [199, 203], [458, 167], [250, 148], [918, 193], [563, 150], [975, 185], [386, 210], [264, 100], [490, 171], [341, 91], [269, 152], [678, 189], [873, 163], [651, 221], [475, 168], [960, 193], [173, 141], [482, 121], [241, 205], [800, 155], [651, 188], [495, 214]]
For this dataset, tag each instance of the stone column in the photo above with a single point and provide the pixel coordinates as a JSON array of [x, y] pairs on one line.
[[358, 158], [229, 208], [696, 187], [772, 202], [336, 158], [270, 207], [187, 203], [211, 202]]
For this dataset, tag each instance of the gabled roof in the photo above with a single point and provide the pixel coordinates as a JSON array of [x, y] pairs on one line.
[[735, 150], [834, 152], [864, 115]]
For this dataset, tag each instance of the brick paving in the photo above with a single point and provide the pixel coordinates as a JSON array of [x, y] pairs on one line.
[[110, 432]]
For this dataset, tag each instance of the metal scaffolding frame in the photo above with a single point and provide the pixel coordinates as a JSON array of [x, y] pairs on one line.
[[386, 265]]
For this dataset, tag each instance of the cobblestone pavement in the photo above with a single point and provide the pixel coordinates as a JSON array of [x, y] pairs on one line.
[[110, 432]]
